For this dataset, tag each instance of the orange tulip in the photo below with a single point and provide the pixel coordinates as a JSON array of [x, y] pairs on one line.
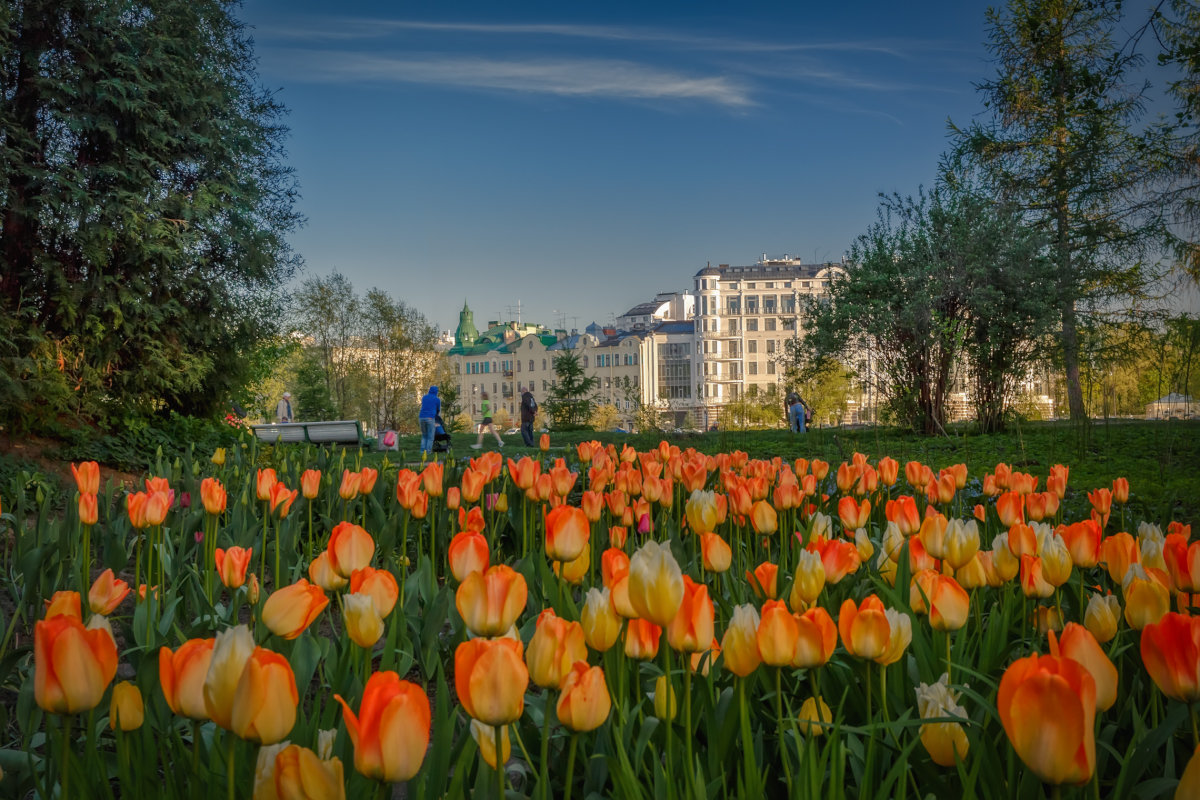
[[380, 585], [865, 630], [524, 472], [778, 631], [940, 490], [1101, 500], [232, 565], [1033, 584], [1183, 562], [490, 679], [348, 489], [1036, 505], [715, 552], [840, 558], [641, 639], [1022, 540], [264, 481], [106, 593], [1171, 654], [390, 733], [490, 602], [310, 484], [854, 514], [888, 470], [948, 603], [89, 511], [691, 631], [454, 501], [264, 706], [1102, 617], [87, 477], [182, 673], [213, 495], [1117, 553], [903, 512], [562, 479], [1078, 644], [739, 646], [567, 533], [1059, 747], [469, 520], [299, 774], [1083, 542], [1010, 507], [408, 486], [289, 611], [557, 643], [63, 602], [816, 638], [933, 534], [282, 499], [1120, 491], [467, 553], [431, 477], [320, 571], [764, 517], [472, 485], [764, 579], [73, 665], [350, 548], [584, 703], [366, 480], [544, 442]]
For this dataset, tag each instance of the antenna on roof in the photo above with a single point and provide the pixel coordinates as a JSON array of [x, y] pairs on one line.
[[518, 310]]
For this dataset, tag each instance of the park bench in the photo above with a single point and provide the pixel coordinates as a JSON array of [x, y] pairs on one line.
[[346, 431]]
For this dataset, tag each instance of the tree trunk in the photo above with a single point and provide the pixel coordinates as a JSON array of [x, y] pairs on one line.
[[1070, 345]]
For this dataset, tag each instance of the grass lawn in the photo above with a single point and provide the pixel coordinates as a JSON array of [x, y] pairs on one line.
[[1161, 460]]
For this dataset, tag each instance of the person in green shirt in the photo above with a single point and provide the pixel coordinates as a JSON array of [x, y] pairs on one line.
[[485, 406]]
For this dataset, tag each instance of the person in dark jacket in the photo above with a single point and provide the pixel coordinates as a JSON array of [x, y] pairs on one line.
[[431, 406], [528, 413]]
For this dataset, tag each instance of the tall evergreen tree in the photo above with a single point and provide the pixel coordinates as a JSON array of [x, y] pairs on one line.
[[1061, 143], [144, 206]]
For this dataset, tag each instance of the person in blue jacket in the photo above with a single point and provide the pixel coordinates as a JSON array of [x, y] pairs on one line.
[[431, 406]]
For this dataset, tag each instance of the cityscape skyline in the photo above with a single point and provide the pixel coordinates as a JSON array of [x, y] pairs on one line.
[[574, 162]]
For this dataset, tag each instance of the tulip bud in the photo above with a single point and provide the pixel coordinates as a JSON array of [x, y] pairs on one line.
[[946, 742], [655, 583], [126, 711], [289, 611], [557, 643], [391, 732], [485, 738], [961, 542], [641, 639], [106, 593], [1102, 616], [364, 626], [814, 717], [601, 624], [88, 509], [584, 702], [1079, 645], [264, 706], [664, 699], [73, 665], [231, 651], [808, 581]]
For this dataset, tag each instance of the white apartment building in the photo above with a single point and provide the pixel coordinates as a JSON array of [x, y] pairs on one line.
[[744, 314]]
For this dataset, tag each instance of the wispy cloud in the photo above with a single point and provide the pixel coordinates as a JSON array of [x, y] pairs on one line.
[[559, 76], [347, 28]]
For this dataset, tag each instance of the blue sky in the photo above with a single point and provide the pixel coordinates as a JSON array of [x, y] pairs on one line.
[[577, 158]]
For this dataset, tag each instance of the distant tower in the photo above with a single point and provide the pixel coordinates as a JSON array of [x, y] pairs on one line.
[[466, 334]]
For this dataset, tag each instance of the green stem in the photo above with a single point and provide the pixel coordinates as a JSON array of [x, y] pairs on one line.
[[816, 689], [749, 764], [277, 524], [544, 772], [87, 559], [668, 722], [783, 755], [883, 703], [230, 777], [64, 767], [571, 765], [1195, 730], [948, 675], [499, 731], [687, 720]]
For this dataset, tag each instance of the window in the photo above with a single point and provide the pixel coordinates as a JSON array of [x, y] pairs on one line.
[[543, 365], [585, 361], [749, 285], [768, 285], [635, 359], [751, 324], [768, 303], [457, 367], [788, 304], [751, 303], [494, 389], [733, 306], [518, 366], [789, 324], [733, 326], [770, 324], [531, 365], [771, 345], [770, 367], [752, 346]]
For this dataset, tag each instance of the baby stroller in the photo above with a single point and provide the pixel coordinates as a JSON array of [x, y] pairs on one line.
[[441, 439]]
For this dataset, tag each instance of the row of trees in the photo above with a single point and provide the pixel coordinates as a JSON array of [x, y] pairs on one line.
[[356, 356], [1060, 212]]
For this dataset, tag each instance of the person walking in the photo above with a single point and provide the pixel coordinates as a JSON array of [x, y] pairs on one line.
[[283, 411], [431, 406], [485, 407], [797, 414], [528, 413]]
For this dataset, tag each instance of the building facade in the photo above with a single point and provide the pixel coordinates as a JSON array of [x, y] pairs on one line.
[[743, 317]]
